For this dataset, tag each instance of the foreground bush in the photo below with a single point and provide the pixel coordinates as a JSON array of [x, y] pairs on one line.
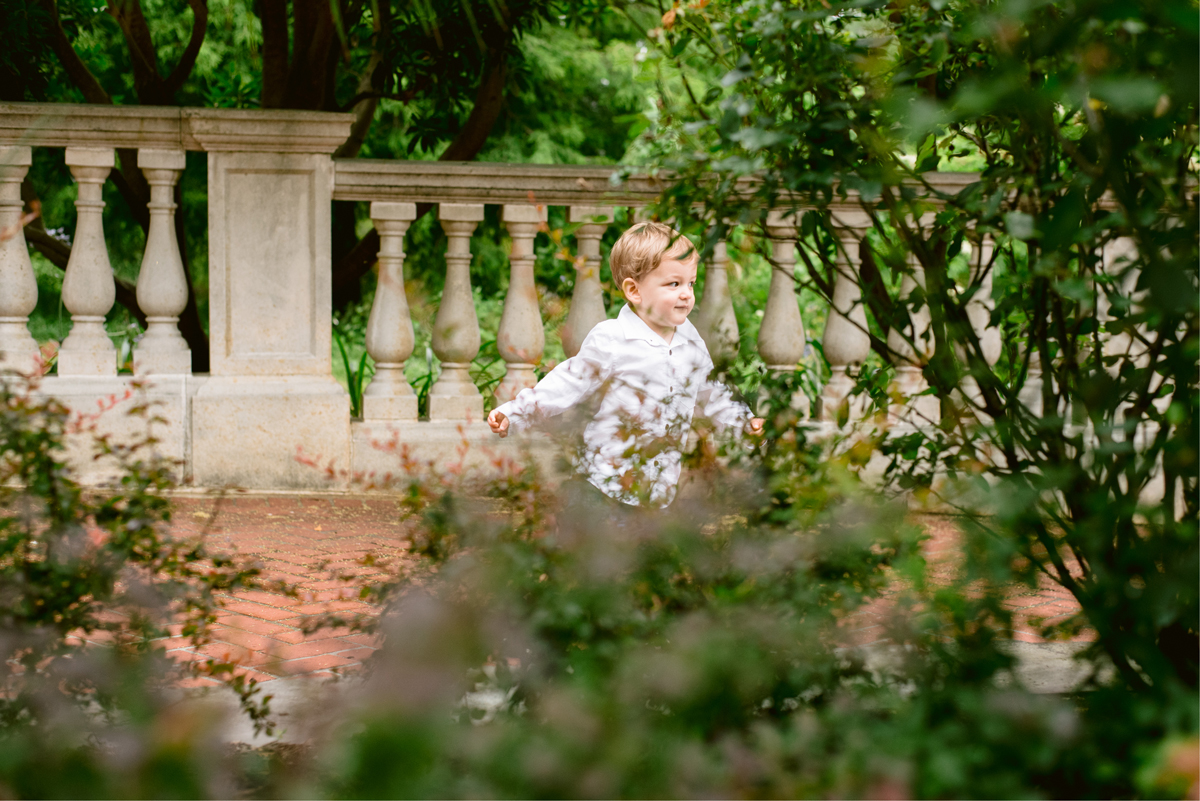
[[79, 720], [537, 652], [534, 650]]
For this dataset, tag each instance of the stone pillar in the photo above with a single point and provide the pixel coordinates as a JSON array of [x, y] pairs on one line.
[[162, 288], [846, 341], [18, 286], [521, 338], [456, 327], [910, 349], [715, 318], [272, 397], [587, 299], [389, 328], [88, 289]]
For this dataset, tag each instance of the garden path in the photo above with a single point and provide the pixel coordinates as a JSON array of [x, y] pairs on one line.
[[1048, 603], [319, 545]]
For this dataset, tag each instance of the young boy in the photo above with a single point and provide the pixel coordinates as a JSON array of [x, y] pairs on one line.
[[649, 367]]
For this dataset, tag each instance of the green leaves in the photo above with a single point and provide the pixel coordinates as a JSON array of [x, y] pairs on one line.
[[1131, 96], [1019, 225]]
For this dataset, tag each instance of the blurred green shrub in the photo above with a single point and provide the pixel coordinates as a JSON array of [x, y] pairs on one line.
[[537, 649], [99, 720]]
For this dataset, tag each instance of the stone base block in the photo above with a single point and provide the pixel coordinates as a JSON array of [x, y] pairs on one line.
[[381, 449], [253, 432], [87, 363], [456, 408], [390, 407], [108, 406], [18, 350], [162, 362]]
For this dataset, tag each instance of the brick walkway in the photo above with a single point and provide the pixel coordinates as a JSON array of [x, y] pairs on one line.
[[317, 544], [1049, 603]]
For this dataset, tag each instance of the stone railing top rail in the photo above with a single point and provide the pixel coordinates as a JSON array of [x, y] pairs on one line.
[[171, 128], [542, 184], [488, 182], [283, 131]]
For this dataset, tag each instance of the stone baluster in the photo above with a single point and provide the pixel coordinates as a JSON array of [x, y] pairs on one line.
[[18, 286], [715, 318], [162, 288], [910, 349], [456, 328], [587, 299], [88, 289], [1116, 258], [979, 313], [781, 334], [389, 328], [846, 341], [521, 338], [1031, 391], [979, 310]]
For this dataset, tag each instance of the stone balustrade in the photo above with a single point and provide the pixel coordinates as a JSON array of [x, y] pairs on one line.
[[270, 395]]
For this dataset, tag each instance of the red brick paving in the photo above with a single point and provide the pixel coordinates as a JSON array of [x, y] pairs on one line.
[[317, 544], [1050, 602]]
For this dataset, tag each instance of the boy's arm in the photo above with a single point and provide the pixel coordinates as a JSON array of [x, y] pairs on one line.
[[717, 403], [568, 384]]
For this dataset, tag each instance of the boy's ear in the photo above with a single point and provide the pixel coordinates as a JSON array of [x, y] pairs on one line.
[[629, 288]]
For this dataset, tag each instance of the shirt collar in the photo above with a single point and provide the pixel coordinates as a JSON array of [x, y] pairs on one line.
[[635, 327]]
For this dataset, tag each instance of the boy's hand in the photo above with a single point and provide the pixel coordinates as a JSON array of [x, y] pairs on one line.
[[499, 423], [755, 426]]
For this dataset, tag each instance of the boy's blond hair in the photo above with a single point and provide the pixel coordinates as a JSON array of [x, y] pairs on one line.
[[641, 249]]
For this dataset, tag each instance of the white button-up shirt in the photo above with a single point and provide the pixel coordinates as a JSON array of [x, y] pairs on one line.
[[642, 392]]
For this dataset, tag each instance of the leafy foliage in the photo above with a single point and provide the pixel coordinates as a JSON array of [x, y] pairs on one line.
[[80, 567], [1069, 445], [546, 646]]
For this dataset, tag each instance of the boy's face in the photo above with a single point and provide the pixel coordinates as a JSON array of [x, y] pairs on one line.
[[665, 296]]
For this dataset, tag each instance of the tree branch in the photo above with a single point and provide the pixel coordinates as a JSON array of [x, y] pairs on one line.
[[146, 80], [80, 75], [352, 267], [188, 60], [489, 100], [275, 52]]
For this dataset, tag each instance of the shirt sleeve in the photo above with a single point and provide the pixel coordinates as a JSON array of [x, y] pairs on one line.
[[567, 385], [717, 403]]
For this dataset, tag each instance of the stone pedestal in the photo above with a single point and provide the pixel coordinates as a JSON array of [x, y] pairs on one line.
[[272, 433], [272, 396], [102, 404]]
